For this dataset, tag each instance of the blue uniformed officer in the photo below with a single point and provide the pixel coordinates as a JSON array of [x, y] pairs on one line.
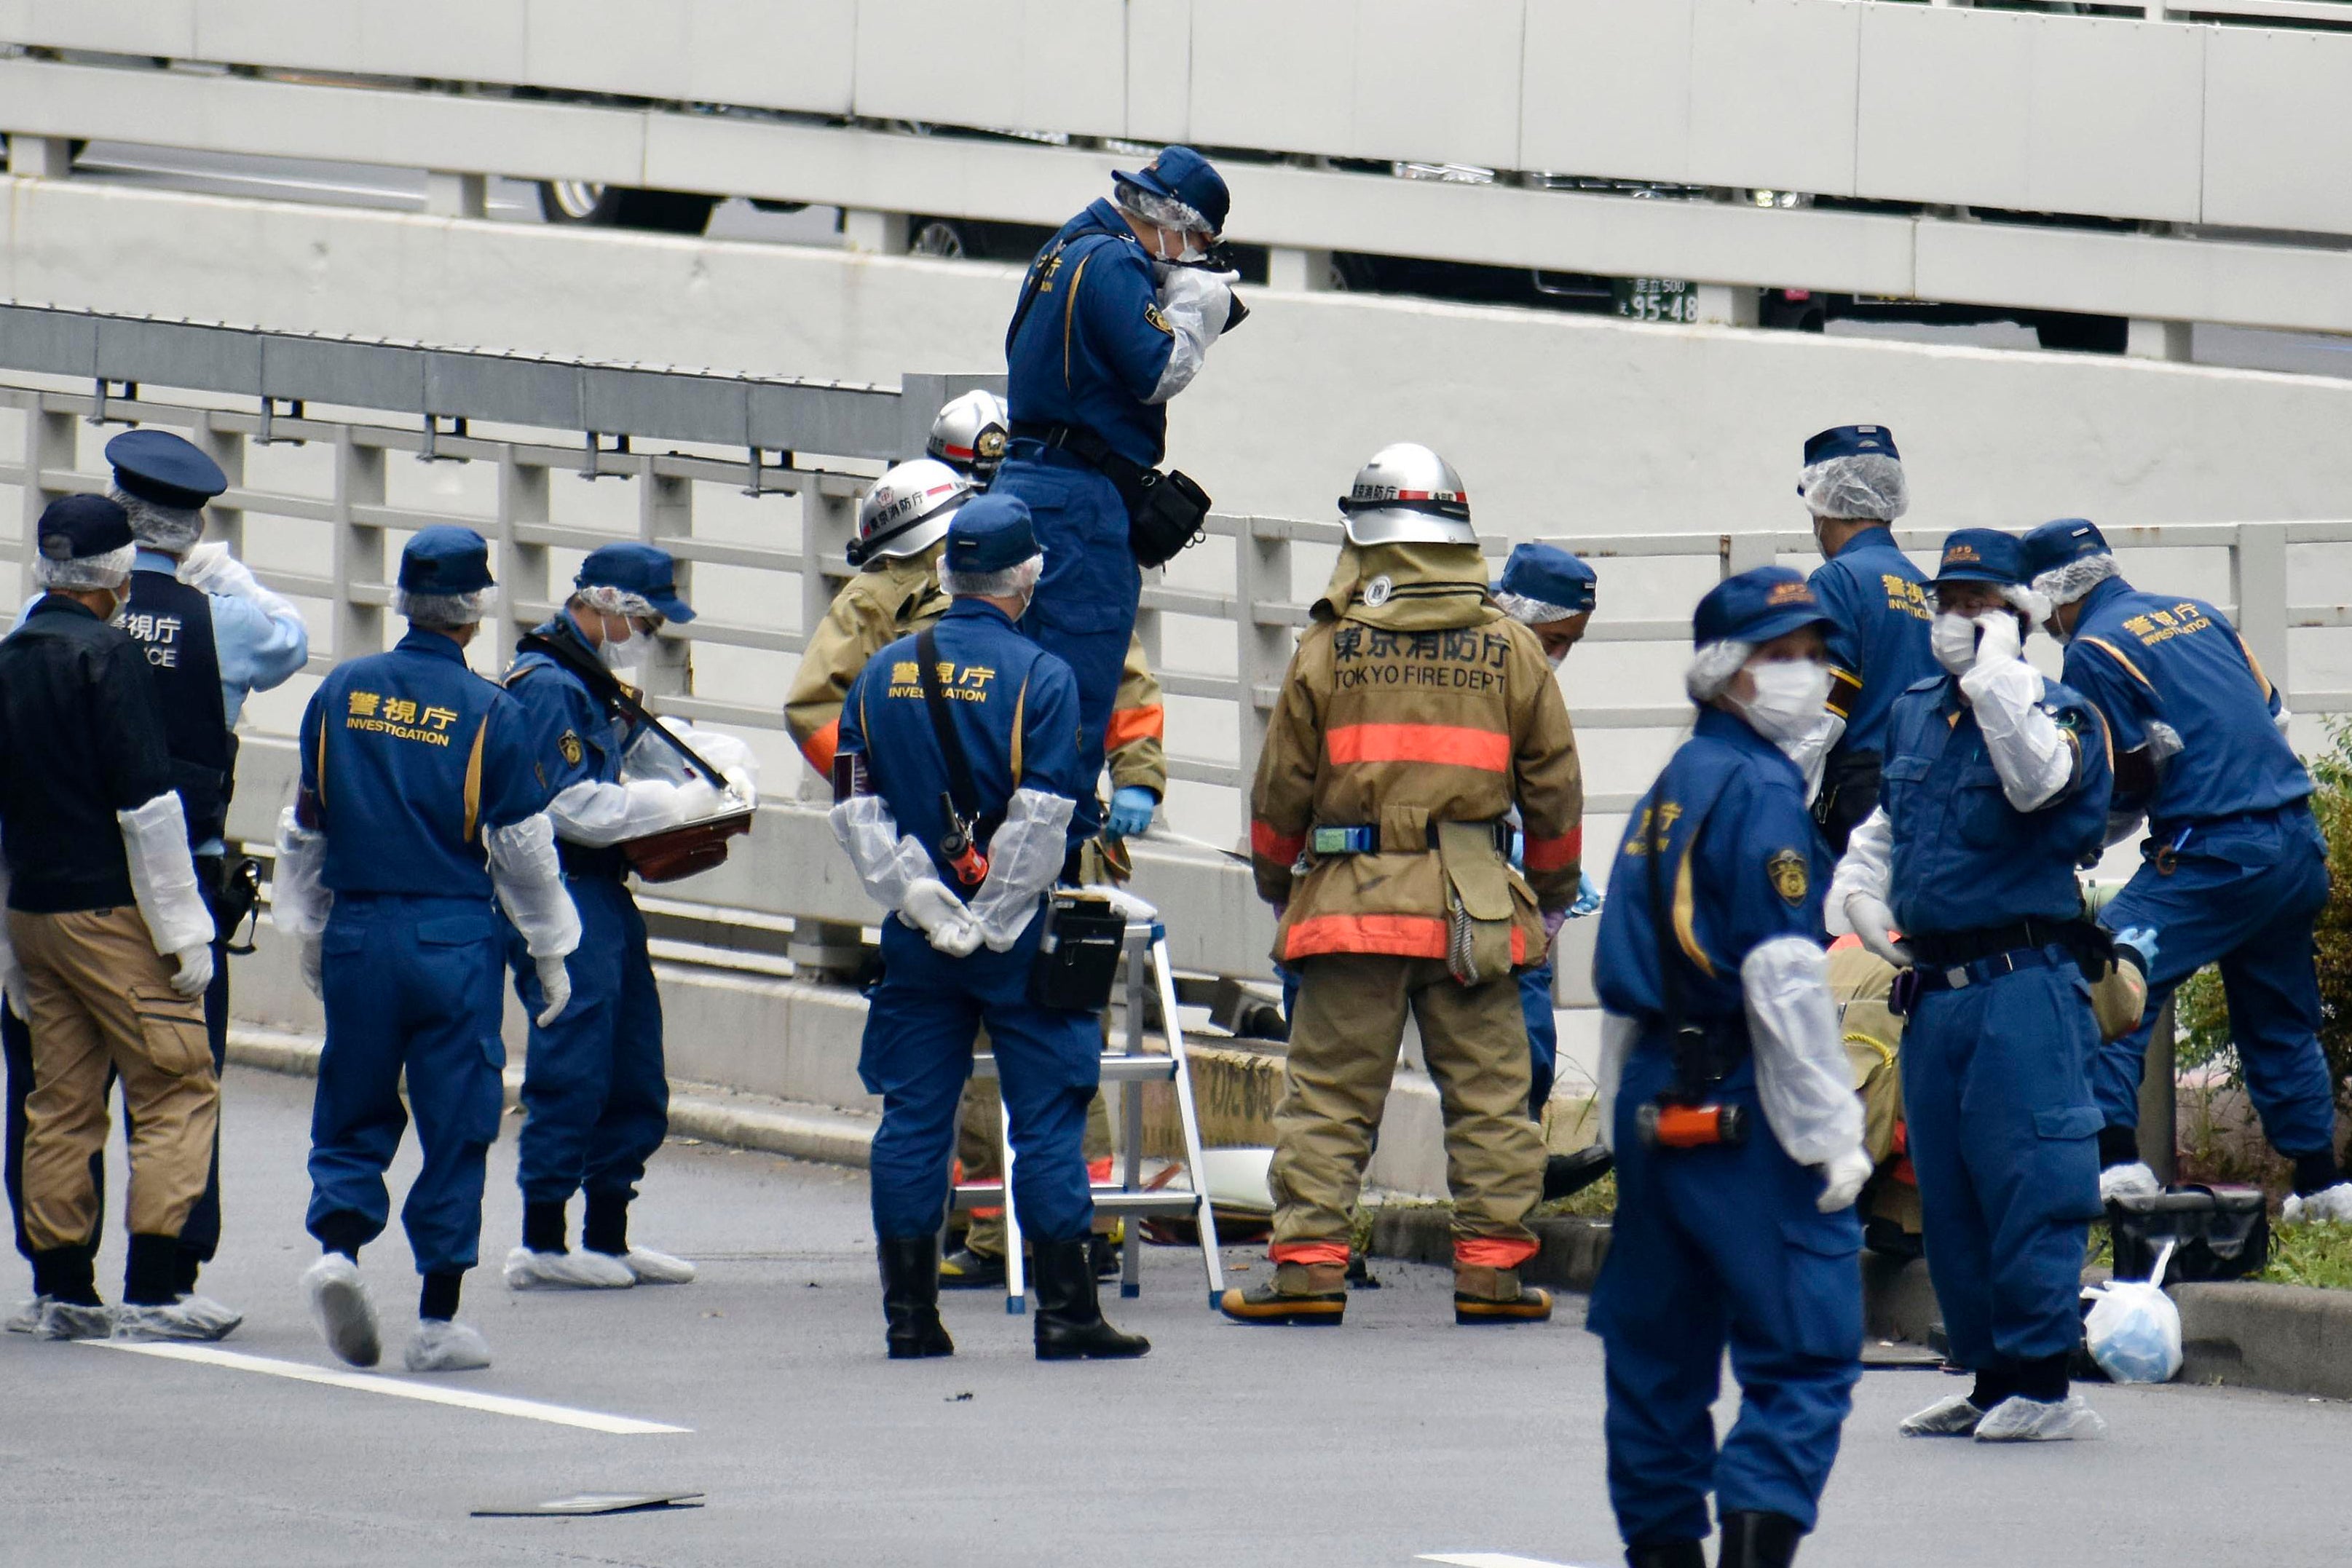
[[2235, 872], [1996, 788], [1113, 321], [595, 1092], [1726, 1094], [959, 945], [1852, 483], [423, 797]]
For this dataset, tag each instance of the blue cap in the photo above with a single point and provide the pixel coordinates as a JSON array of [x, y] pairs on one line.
[[159, 466], [645, 570], [1550, 575], [990, 533], [446, 558], [2053, 545], [1757, 606], [1982, 555], [1184, 174], [1851, 440], [75, 528]]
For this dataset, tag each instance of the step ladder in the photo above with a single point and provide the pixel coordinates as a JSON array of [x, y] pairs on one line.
[[1129, 1066]]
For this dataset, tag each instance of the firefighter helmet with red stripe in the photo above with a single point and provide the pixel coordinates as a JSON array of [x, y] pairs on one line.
[[907, 510], [971, 433], [1407, 495]]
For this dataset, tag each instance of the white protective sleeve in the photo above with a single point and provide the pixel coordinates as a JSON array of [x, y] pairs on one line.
[[529, 882], [210, 567], [2029, 750], [889, 861], [739, 768], [1194, 304], [1618, 1035], [1802, 1076], [1866, 867], [1811, 751], [163, 875], [299, 900], [1023, 859]]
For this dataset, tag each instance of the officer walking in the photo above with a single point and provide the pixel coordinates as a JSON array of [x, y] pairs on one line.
[[108, 946], [1997, 785], [2234, 873], [1730, 1230], [595, 1091], [1114, 321], [424, 792], [930, 788], [1411, 721], [1853, 484]]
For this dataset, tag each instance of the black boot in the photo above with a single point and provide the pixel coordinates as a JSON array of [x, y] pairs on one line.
[[1568, 1175], [1758, 1540], [910, 1297], [1666, 1554], [1069, 1322]]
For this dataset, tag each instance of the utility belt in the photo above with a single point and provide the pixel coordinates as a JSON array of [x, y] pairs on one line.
[[1165, 511], [1975, 972], [1327, 839], [2167, 841], [1958, 949], [1954, 960], [607, 861]]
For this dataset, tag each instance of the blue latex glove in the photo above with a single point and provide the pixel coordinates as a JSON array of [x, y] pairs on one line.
[[2140, 940], [1588, 898], [1131, 805]]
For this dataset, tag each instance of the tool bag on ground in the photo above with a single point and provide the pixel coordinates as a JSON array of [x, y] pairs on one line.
[[2218, 1233]]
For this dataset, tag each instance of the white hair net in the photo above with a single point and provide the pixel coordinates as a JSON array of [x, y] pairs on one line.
[[2064, 584], [1012, 582], [443, 612], [1167, 212], [1867, 484], [1532, 612], [107, 570], [172, 530], [613, 600], [1712, 667]]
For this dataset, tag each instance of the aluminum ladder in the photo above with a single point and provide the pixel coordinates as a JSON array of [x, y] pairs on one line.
[[1129, 1066]]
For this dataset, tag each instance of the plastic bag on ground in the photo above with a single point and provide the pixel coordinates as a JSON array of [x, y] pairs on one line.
[[2134, 1331]]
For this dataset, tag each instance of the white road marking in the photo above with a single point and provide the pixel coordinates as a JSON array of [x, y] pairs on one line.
[[398, 1389], [1489, 1560]]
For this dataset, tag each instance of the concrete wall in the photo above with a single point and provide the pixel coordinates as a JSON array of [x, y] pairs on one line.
[[1560, 424]]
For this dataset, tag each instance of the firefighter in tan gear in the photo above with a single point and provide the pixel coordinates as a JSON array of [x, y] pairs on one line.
[[1859, 981], [1414, 715]]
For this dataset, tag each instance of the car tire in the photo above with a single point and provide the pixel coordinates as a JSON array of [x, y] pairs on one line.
[[944, 238], [586, 205]]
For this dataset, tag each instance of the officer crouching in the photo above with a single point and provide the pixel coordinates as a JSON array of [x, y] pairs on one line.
[[1726, 1092], [955, 782]]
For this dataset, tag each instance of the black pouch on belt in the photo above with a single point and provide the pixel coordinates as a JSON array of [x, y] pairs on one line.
[[1078, 954], [1165, 515]]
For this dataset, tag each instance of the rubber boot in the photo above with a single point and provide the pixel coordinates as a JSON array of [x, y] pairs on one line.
[[910, 1297], [1069, 1321], [1304, 1294], [966, 1270], [1565, 1176], [1758, 1540], [1488, 1295], [1666, 1554]]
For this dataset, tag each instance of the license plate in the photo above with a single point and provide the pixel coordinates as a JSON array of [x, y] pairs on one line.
[[1656, 298]]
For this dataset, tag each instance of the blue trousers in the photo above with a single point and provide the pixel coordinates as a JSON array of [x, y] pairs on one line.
[[2243, 893], [917, 1053], [2004, 1135], [1543, 1034], [596, 1096], [1085, 608], [410, 983], [1713, 1248]]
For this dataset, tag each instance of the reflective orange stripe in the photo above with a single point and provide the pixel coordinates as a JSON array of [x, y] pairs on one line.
[[1488, 750], [1099, 1170], [1308, 1252], [1555, 855], [1396, 935], [819, 748], [1492, 1252], [1267, 845], [1129, 725]]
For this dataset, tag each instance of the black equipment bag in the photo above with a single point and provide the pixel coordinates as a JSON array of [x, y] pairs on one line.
[[2218, 1233], [1077, 953]]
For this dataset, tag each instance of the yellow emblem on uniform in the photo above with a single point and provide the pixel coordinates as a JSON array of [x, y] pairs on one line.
[[568, 743], [1791, 875], [1152, 314]]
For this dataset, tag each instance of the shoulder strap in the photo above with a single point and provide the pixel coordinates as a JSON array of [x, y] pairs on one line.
[[935, 703], [604, 687]]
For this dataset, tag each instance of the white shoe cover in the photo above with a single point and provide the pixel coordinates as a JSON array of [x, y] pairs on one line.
[[652, 1267], [2017, 1420], [28, 1317], [439, 1346], [340, 1306], [530, 1270], [189, 1318], [2331, 1205], [2134, 1180], [1955, 1416], [70, 1320]]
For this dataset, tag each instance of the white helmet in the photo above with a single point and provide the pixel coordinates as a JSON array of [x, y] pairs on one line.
[[971, 433], [906, 511], [1407, 495]]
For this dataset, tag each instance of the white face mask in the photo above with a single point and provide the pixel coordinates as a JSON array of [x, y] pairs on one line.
[[1789, 694], [1953, 638], [1556, 660]]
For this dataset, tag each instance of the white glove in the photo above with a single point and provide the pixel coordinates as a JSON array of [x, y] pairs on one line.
[[1875, 924], [1844, 1176], [313, 965], [555, 985], [210, 567], [195, 970], [1997, 642], [956, 938], [929, 907]]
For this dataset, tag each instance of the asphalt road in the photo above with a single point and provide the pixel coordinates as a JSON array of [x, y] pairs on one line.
[[1394, 1437]]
